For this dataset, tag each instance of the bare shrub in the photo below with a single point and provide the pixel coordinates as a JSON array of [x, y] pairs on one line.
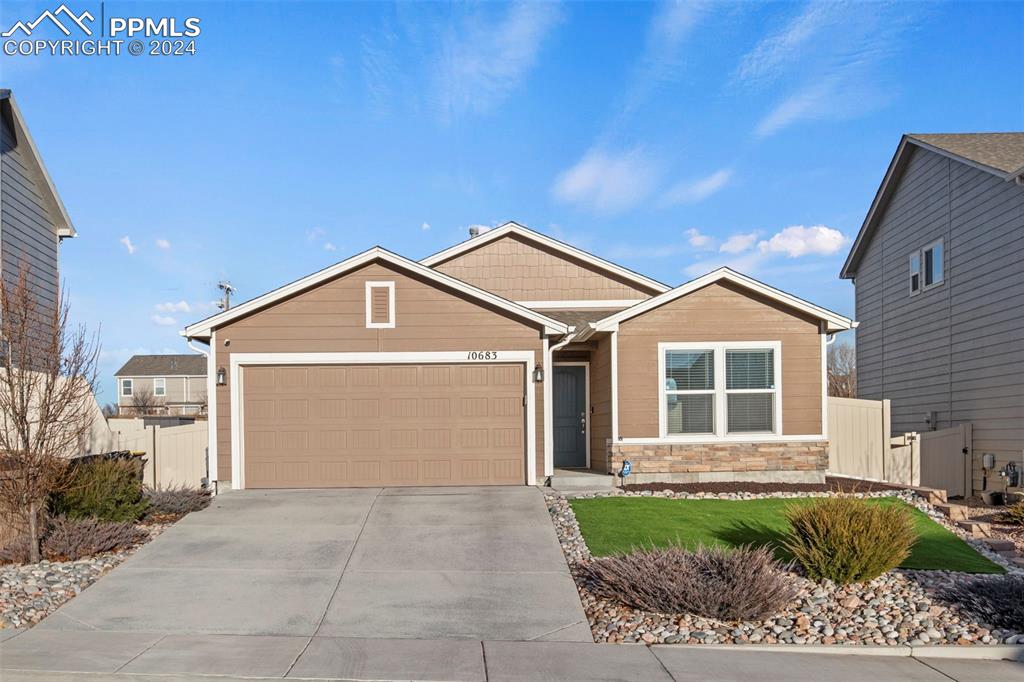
[[1013, 514], [176, 501], [849, 540], [729, 585], [842, 371], [998, 601], [144, 402], [74, 539]]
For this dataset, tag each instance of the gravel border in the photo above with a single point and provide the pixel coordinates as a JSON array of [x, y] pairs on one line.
[[31, 592], [898, 608]]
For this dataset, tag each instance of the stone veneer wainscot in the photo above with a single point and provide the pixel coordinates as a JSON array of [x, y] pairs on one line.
[[785, 461]]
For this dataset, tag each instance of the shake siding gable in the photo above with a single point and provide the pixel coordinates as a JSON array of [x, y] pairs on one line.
[[958, 349], [719, 312], [520, 270], [331, 318]]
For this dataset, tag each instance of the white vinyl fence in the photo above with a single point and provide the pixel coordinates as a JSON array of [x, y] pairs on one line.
[[175, 455]]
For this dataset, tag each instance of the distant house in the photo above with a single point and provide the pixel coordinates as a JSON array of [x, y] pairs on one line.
[[33, 220], [162, 384], [938, 268]]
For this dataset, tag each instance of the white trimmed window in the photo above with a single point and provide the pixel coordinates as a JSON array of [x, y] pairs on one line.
[[126, 387], [715, 390], [159, 388], [380, 305], [927, 268], [915, 273]]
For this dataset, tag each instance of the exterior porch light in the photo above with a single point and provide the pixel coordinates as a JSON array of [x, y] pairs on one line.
[[538, 374], [222, 377]]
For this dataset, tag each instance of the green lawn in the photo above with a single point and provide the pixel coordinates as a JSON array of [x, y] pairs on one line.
[[615, 525]]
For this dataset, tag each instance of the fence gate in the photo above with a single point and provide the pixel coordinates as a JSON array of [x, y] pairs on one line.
[[946, 458]]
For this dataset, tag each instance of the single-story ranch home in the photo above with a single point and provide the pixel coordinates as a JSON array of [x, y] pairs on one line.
[[509, 355]]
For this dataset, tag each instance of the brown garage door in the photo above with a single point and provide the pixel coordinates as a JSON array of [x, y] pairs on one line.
[[369, 425]]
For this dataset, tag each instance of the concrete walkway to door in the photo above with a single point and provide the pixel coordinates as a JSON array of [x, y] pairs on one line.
[[421, 563]]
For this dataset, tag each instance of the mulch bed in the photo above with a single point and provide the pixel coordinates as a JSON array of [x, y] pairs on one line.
[[832, 483]]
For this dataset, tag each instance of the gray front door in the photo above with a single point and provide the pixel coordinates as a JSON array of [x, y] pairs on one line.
[[570, 415]]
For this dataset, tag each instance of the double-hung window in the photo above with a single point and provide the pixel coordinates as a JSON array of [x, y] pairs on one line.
[[126, 387], [927, 268], [159, 387], [718, 390]]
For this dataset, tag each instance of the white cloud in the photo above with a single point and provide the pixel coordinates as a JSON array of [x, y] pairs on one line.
[[698, 240], [163, 244], [692, 191], [607, 183], [797, 240], [315, 234], [481, 62], [171, 307], [814, 102], [163, 320], [780, 49], [738, 243], [425, 226], [207, 306], [328, 246], [127, 242]]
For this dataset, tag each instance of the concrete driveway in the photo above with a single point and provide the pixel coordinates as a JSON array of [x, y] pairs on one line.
[[420, 563]]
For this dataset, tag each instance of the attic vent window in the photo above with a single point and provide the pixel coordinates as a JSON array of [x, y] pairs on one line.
[[380, 305]]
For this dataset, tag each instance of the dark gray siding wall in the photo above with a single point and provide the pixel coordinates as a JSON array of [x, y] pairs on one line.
[[27, 232], [958, 349]]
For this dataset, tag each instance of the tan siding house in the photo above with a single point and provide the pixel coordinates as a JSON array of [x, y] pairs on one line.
[[508, 356], [162, 384]]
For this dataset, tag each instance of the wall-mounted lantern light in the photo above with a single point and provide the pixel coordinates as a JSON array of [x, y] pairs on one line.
[[538, 374], [222, 377]]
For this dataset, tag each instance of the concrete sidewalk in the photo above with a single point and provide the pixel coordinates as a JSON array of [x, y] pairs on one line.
[[121, 656]]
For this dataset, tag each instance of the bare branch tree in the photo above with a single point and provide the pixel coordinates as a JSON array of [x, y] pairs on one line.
[[47, 383], [842, 371], [110, 410], [144, 402]]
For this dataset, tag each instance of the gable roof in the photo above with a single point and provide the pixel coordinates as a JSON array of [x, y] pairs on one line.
[[189, 365], [203, 328], [835, 322], [1001, 154], [513, 228], [13, 119]]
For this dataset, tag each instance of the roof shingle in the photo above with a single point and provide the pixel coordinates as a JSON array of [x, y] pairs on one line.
[[163, 366], [1002, 151]]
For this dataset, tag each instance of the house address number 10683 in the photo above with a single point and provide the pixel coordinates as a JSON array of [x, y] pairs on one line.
[[482, 355]]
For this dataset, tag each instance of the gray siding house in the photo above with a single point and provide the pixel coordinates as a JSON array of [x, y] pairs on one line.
[[938, 268], [33, 220], [166, 384]]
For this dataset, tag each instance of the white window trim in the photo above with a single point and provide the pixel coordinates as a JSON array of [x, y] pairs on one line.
[[721, 414], [920, 273], [924, 285], [237, 387], [161, 384], [131, 387], [390, 286]]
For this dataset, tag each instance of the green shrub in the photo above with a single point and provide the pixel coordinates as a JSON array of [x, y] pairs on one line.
[[847, 540], [746, 583], [103, 488], [1013, 514]]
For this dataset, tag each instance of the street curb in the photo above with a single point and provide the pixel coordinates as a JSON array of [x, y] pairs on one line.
[[981, 652]]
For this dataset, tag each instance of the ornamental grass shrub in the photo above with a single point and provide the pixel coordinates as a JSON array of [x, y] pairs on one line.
[[175, 501], [1013, 514], [849, 540], [998, 601], [109, 489], [746, 583]]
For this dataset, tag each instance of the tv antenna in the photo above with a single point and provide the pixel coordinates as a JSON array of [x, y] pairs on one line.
[[225, 299]]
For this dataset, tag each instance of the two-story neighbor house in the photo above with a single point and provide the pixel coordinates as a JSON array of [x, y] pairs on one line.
[[505, 356], [938, 268], [162, 384], [33, 220]]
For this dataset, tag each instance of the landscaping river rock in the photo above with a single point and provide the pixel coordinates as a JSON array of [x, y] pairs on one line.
[[31, 592], [897, 608]]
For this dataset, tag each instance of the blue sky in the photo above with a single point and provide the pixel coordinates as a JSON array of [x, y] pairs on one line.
[[671, 138]]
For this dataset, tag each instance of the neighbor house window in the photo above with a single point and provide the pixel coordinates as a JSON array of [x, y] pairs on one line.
[[159, 388], [720, 389], [126, 387], [380, 305], [926, 268], [915, 273]]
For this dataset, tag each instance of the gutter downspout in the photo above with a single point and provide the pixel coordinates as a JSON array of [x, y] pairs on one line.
[[206, 354]]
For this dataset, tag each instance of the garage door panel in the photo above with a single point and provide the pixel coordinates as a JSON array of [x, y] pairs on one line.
[[331, 426]]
